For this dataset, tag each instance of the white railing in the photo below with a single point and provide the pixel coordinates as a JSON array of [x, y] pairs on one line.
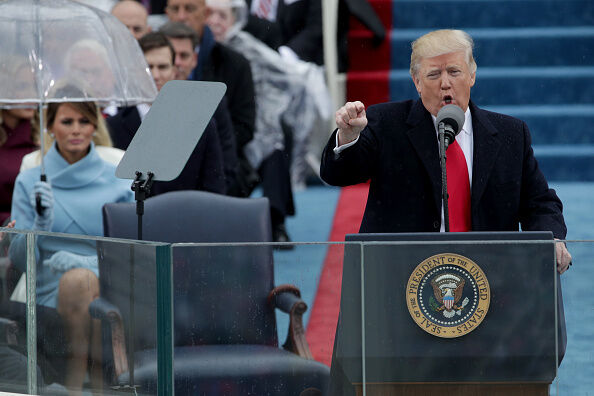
[[336, 81]]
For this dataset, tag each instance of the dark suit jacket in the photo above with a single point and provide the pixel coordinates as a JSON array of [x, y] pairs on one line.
[[226, 134], [398, 152], [204, 169], [217, 62], [158, 6], [300, 27]]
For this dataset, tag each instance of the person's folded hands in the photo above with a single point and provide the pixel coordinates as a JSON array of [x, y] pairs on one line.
[[63, 261]]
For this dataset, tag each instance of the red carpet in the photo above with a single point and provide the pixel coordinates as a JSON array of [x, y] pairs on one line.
[[324, 314], [368, 81]]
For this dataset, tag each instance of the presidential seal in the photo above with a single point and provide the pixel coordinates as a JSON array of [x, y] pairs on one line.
[[448, 295]]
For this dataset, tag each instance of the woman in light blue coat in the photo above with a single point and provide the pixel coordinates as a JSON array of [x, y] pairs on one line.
[[79, 183]]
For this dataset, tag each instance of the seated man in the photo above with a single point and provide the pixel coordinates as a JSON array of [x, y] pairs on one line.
[[294, 28], [132, 14], [184, 40], [204, 169], [88, 61], [217, 62]]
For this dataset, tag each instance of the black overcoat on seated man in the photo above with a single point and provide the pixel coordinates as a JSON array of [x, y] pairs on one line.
[[298, 25], [204, 169]]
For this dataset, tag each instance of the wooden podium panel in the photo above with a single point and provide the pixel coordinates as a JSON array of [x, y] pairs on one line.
[[458, 389]]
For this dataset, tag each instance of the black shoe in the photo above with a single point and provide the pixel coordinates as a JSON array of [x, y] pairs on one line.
[[279, 234]]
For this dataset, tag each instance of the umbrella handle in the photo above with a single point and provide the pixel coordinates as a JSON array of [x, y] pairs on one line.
[[38, 207]]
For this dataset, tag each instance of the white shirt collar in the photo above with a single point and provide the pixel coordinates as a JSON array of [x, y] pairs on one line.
[[466, 128]]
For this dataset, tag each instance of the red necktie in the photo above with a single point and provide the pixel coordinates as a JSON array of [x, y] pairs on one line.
[[264, 9], [458, 189]]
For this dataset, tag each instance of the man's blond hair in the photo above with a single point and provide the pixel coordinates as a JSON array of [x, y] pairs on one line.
[[439, 42]]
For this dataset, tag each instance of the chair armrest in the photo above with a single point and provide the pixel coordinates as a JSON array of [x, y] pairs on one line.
[[104, 310], [287, 298], [9, 331]]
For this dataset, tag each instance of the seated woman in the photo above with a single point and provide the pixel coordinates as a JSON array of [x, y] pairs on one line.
[[79, 184]]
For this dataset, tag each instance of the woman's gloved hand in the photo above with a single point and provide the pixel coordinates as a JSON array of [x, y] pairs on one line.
[[63, 261], [44, 221]]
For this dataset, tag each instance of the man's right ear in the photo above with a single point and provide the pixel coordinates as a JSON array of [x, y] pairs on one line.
[[417, 82]]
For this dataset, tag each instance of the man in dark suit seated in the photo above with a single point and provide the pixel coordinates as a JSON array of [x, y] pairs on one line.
[[204, 169], [497, 187], [132, 14], [293, 27], [216, 62], [184, 39]]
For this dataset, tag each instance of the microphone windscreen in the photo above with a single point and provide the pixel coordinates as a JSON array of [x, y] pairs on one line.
[[452, 115]]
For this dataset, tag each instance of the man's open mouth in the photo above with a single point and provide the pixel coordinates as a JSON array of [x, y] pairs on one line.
[[448, 99]]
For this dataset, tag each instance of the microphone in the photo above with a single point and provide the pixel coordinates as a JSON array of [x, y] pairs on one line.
[[450, 118]]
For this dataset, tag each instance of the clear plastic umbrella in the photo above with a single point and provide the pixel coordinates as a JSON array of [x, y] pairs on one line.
[[47, 44], [104, 5]]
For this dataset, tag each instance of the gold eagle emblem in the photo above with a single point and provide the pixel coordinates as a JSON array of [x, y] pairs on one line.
[[448, 289]]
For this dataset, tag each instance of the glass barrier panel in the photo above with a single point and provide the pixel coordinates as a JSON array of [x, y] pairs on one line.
[[239, 327], [13, 330], [459, 314], [95, 305], [577, 366], [243, 317], [347, 371]]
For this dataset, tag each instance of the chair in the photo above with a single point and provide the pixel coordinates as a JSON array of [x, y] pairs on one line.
[[51, 350], [225, 335], [9, 275]]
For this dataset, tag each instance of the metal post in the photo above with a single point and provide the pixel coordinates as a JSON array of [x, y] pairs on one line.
[[165, 377], [334, 79], [363, 349], [31, 316]]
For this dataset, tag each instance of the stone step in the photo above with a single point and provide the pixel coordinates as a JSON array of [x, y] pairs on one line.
[[551, 46], [555, 125], [567, 162], [535, 62], [435, 14]]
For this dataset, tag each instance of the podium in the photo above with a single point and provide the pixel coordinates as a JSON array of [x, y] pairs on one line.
[[449, 313]]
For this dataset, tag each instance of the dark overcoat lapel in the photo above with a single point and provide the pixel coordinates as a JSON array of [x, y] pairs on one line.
[[131, 121], [123, 126], [423, 138], [486, 149]]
